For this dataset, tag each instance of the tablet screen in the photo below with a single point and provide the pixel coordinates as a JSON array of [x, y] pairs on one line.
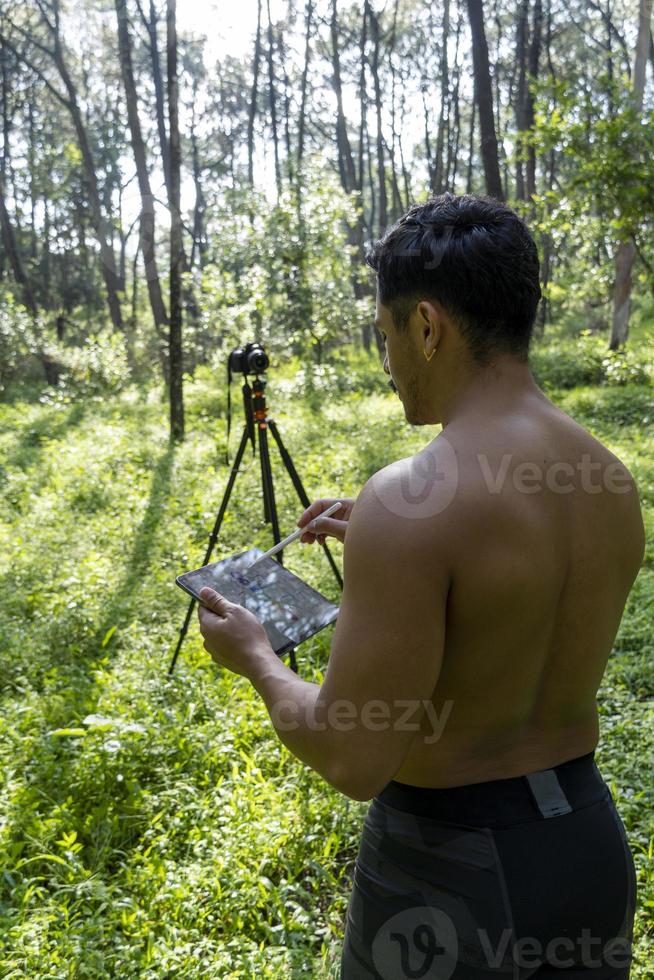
[[289, 609]]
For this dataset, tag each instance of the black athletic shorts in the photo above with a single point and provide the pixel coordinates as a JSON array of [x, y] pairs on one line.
[[514, 878]]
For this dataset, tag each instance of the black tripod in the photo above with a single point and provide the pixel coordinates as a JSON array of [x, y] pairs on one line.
[[256, 415]]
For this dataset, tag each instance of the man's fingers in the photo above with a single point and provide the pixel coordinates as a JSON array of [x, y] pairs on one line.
[[315, 509], [214, 601], [327, 525]]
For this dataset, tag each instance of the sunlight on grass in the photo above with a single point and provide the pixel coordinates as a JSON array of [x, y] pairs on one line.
[[154, 826]]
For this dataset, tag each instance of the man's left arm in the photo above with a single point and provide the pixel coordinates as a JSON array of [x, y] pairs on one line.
[[385, 656]]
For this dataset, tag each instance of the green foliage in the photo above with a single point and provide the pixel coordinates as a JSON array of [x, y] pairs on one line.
[[84, 363], [155, 827], [283, 276], [603, 149], [607, 148], [18, 340], [585, 360], [98, 364]]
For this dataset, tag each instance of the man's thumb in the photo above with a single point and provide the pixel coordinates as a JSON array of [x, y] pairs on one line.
[[214, 601]]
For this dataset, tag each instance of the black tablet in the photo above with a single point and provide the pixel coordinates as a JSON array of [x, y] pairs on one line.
[[289, 609]]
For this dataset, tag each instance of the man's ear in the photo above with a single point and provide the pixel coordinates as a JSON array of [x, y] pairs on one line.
[[431, 324]]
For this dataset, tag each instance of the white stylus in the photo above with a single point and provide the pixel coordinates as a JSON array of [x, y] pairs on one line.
[[296, 534]]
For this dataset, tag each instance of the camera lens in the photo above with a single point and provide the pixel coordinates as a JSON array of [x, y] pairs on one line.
[[257, 360]]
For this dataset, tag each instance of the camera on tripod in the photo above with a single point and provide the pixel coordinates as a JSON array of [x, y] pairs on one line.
[[251, 359], [248, 360]]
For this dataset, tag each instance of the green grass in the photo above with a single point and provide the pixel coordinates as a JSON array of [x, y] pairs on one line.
[[155, 827]]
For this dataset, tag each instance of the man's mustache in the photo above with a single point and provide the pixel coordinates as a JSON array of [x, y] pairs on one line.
[[392, 386]]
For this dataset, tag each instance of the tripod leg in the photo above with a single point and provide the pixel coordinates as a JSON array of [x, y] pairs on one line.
[[212, 541], [270, 507], [301, 492], [228, 492]]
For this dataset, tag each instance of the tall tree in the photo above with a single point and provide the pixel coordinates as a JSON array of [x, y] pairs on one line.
[[438, 178], [253, 96], [55, 51], [520, 103], [6, 228], [147, 229], [343, 146], [151, 21], [304, 84], [373, 19], [272, 99], [175, 355], [533, 65], [484, 99]]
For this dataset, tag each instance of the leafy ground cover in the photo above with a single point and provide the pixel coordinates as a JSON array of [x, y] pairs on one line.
[[154, 826]]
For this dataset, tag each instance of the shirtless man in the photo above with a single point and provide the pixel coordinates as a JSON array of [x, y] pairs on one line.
[[484, 583]]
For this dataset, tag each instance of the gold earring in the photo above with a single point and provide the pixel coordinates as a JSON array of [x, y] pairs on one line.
[[428, 357]]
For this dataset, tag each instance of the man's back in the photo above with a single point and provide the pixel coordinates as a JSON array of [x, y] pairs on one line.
[[545, 539]]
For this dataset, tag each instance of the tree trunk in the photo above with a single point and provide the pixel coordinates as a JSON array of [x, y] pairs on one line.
[[438, 185], [31, 157], [381, 165], [484, 99], [252, 110], [107, 257], [303, 89], [175, 333], [11, 250], [363, 103], [199, 233], [150, 23], [405, 174], [272, 96], [346, 167], [471, 147], [8, 238], [147, 229], [626, 251], [520, 54], [397, 197], [533, 64], [343, 148], [356, 236], [452, 162]]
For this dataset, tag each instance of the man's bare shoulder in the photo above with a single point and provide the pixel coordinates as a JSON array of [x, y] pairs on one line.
[[412, 497]]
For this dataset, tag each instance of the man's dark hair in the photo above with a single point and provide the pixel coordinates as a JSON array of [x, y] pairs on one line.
[[476, 257]]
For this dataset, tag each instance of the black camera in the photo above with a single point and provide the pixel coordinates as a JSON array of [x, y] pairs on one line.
[[251, 359]]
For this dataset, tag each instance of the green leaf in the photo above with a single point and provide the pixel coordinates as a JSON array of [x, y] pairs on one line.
[[108, 635], [42, 857]]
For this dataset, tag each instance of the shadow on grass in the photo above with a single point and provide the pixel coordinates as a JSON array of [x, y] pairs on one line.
[[52, 763], [30, 443], [137, 565]]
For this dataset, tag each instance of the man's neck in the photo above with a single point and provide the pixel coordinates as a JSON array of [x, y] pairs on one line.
[[498, 389]]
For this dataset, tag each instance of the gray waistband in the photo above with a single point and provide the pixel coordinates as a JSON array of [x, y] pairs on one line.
[[548, 794]]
